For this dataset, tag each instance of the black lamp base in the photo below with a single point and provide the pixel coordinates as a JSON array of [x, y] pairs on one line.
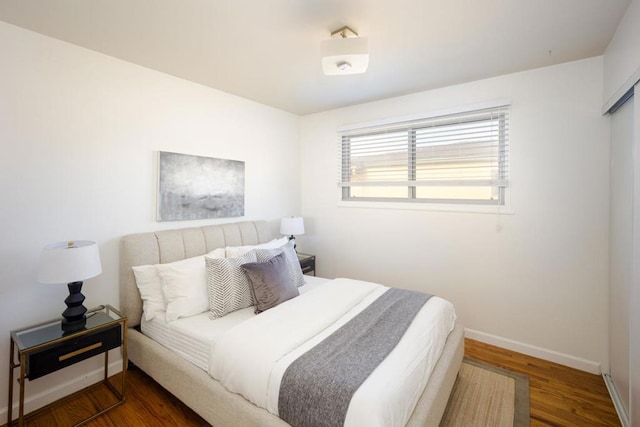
[[74, 315], [77, 325]]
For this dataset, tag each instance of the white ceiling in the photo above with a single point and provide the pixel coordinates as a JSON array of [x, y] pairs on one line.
[[269, 50]]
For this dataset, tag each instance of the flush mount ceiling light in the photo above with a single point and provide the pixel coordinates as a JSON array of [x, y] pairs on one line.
[[345, 53]]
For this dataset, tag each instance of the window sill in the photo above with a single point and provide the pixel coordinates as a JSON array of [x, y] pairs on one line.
[[479, 209]]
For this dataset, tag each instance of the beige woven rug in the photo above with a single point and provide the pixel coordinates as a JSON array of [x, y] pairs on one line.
[[485, 395]]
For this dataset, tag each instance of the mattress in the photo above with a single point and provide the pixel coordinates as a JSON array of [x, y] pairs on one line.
[[192, 337]]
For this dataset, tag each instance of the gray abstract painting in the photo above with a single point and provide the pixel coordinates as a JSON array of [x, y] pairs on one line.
[[195, 187]]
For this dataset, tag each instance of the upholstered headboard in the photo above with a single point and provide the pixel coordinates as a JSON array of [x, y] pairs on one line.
[[172, 245]]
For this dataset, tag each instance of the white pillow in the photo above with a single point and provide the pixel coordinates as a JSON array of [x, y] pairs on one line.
[[228, 285], [150, 287], [238, 251], [184, 284]]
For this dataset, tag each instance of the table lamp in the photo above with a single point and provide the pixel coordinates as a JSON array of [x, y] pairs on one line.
[[292, 226], [71, 263]]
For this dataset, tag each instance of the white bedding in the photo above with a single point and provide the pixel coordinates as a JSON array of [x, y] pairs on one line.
[[282, 334], [227, 347], [191, 337]]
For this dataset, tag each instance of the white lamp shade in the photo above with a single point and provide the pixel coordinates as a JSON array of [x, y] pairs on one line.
[[67, 262], [292, 226], [348, 55]]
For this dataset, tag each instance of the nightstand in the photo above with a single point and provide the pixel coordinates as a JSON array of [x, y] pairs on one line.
[[307, 263], [46, 348]]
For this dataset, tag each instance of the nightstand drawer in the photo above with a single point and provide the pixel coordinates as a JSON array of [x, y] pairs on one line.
[[51, 359], [307, 267], [307, 263]]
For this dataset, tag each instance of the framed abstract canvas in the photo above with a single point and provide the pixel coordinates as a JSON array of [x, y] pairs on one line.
[[196, 187]]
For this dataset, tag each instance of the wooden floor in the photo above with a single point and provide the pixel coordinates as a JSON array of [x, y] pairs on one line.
[[559, 396], [147, 404]]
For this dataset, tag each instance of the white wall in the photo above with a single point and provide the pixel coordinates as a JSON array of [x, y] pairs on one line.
[[622, 57], [80, 132], [539, 276]]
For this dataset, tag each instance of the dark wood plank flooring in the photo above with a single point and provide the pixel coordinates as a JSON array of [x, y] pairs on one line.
[[560, 396]]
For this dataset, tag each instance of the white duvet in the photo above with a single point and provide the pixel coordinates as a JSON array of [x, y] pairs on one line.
[[251, 358]]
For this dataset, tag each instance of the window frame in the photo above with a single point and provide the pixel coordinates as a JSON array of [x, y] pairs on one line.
[[411, 125]]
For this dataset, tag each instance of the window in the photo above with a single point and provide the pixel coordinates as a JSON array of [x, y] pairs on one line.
[[455, 158]]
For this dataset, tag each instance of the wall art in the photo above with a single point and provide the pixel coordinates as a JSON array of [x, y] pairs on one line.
[[196, 187]]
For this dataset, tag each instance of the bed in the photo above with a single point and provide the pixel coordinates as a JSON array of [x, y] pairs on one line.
[[191, 383]]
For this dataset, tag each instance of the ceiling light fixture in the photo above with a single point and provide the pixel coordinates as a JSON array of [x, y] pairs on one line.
[[345, 53], [343, 66]]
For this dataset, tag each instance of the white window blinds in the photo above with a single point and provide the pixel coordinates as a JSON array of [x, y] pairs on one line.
[[455, 158]]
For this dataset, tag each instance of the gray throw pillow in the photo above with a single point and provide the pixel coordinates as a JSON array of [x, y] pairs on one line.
[[291, 258], [271, 282]]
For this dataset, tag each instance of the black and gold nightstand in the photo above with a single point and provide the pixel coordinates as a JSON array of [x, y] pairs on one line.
[[307, 263], [46, 348]]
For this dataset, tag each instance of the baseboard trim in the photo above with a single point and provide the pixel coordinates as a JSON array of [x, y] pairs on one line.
[[534, 351], [31, 403], [617, 401]]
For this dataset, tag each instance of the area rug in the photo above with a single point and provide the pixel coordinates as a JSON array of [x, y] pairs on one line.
[[486, 395]]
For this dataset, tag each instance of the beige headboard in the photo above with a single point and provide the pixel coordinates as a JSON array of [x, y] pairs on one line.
[[172, 245]]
